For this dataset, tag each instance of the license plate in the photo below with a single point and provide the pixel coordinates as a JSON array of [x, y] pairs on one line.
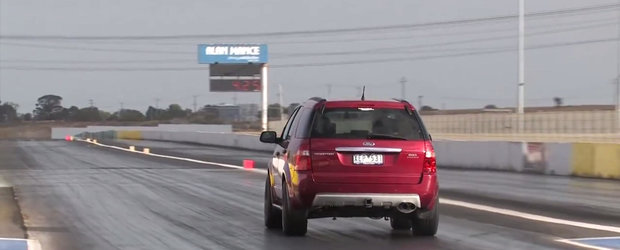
[[367, 159]]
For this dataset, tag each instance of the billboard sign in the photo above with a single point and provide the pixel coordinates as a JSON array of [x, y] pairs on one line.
[[235, 70], [232, 53]]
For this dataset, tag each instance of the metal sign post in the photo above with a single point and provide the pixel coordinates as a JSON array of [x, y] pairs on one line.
[[265, 106]]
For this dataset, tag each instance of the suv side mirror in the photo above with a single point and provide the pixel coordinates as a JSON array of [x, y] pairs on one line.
[[269, 137], [430, 137]]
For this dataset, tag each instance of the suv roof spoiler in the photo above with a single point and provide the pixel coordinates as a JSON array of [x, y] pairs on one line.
[[401, 100], [318, 99]]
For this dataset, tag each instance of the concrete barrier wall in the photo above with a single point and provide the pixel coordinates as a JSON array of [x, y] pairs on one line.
[[212, 128], [216, 139], [578, 159], [129, 134], [558, 158], [482, 155], [596, 160], [62, 132]]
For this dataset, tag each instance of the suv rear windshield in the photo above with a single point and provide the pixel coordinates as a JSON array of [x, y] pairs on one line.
[[367, 123]]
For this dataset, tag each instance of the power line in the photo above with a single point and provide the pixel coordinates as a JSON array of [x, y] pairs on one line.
[[486, 31], [380, 50], [321, 32], [381, 37], [163, 61], [399, 49], [31, 45], [400, 59], [322, 64]]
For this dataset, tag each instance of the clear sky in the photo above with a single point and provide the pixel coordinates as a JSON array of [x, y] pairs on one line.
[[570, 54]]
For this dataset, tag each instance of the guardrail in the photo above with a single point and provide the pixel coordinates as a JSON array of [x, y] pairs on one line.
[[557, 126], [574, 126]]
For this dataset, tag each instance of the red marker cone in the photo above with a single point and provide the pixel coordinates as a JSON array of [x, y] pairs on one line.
[[249, 164]]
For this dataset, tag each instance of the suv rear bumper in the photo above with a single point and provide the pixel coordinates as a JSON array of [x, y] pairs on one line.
[[308, 194], [364, 200]]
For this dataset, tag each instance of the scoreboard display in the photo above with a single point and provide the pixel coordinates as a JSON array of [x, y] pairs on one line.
[[230, 85], [235, 77]]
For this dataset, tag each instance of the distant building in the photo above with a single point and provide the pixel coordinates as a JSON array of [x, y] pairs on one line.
[[227, 113], [248, 112]]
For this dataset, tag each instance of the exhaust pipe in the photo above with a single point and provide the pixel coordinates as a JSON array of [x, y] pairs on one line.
[[406, 207]]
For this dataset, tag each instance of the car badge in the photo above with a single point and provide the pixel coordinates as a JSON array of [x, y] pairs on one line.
[[368, 144]]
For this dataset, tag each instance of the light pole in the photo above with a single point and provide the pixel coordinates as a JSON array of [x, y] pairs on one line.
[[420, 101], [329, 91], [281, 97], [521, 86], [618, 79], [403, 80]]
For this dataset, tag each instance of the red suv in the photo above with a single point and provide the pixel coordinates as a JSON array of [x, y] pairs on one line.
[[352, 159]]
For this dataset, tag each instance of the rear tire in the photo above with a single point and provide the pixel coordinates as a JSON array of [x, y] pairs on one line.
[[400, 223], [273, 215], [294, 221], [428, 225]]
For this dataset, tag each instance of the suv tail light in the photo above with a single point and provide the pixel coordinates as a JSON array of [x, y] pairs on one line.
[[302, 156], [430, 162]]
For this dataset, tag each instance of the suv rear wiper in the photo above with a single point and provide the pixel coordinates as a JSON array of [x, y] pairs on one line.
[[384, 136]]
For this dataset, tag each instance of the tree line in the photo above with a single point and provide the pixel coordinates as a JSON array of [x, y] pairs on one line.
[[50, 108]]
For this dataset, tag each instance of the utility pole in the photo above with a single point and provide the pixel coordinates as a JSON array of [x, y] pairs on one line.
[[122, 106], [195, 103], [280, 96], [420, 101], [403, 80], [156, 102], [521, 86], [329, 91], [618, 79], [91, 102]]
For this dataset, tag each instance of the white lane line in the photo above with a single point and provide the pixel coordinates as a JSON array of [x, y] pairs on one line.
[[570, 242], [30, 243], [529, 216], [264, 171], [474, 206], [4, 183], [34, 245], [598, 238]]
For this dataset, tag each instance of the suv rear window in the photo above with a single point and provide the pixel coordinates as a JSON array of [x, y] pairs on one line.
[[367, 123]]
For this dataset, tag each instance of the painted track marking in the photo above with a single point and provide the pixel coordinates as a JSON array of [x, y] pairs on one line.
[[600, 243], [19, 244], [176, 158], [469, 205]]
